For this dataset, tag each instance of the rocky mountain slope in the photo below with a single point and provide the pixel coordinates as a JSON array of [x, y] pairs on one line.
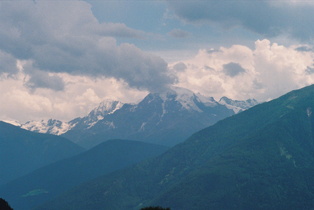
[[164, 118]]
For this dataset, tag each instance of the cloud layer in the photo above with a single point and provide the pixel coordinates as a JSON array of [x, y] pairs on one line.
[[64, 36], [265, 72], [58, 61], [80, 95], [266, 17]]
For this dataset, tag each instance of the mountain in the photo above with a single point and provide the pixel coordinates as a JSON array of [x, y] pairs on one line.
[[261, 158], [22, 151], [105, 108], [51, 126], [165, 118], [49, 181], [238, 106]]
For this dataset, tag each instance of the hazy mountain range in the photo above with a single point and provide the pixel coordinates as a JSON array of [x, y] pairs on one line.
[[261, 158], [165, 118]]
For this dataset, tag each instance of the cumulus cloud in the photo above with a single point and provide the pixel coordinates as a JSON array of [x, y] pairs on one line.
[[270, 18], [265, 72], [64, 36], [80, 95]]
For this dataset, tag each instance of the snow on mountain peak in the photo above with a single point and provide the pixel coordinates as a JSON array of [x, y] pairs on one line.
[[188, 99], [184, 96], [207, 101], [107, 107], [12, 122], [236, 105], [51, 126]]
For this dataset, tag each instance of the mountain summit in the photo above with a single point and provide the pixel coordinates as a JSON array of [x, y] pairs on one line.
[[165, 118]]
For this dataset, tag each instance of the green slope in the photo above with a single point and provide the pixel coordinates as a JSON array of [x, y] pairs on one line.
[[49, 181], [22, 151], [262, 158]]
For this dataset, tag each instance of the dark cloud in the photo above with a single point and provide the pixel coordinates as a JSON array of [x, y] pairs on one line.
[[266, 17], [180, 67], [7, 64], [64, 36], [39, 79], [304, 49], [233, 69], [309, 70], [178, 33]]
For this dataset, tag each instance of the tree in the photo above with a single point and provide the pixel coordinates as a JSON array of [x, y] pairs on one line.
[[4, 205]]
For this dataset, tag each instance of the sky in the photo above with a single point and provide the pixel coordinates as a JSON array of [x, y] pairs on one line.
[[60, 59]]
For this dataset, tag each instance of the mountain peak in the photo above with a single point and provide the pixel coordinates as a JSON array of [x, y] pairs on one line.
[[187, 99], [237, 106], [106, 107], [51, 126]]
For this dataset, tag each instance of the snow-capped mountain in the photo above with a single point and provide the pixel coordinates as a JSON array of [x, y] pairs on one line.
[[106, 107], [58, 127], [50, 126], [238, 106], [165, 118]]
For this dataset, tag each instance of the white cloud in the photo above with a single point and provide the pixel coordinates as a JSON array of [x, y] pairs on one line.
[[80, 95], [267, 71]]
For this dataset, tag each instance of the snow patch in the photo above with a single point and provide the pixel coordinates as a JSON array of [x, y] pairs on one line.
[[142, 128], [50, 126], [110, 124], [309, 111], [12, 122], [237, 106]]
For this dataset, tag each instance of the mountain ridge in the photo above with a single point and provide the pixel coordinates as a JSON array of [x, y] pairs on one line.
[[261, 158], [165, 118]]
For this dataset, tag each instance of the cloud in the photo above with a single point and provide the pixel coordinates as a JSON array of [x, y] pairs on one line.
[[267, 17], [233, 69], [180, 67], [7, 64], [304, 49], [41, 79], [178, 33], [265, 72], [80, 95], [64, 36]]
